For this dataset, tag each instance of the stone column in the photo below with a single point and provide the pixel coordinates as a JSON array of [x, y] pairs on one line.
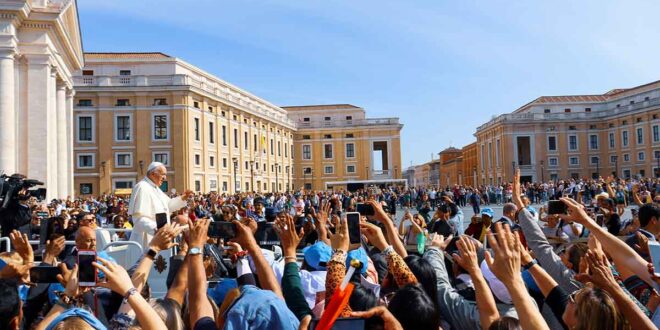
[[70, 159], [62, 143], [7, 113]]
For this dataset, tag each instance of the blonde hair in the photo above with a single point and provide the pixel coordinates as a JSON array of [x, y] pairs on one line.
[[73, 323], [601, 308]]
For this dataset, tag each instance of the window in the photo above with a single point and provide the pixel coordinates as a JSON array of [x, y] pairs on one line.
[[625, 122], [638, 120], [624, 138], [272, 149], [306, 137], [350, 169], [350, 150], [123, 184], [235, 138], [327, 151], [349, 117], [327, 136], [196, 104], [124, 72], [198, 160], [328, 170], [626, 157], [254, 142], [327, 118], [85, 160], [198, 185], [552, 161], [640, 135], [306, 119], [546, 110], [552, 143], [641, 156], [160, 102], [349, 135], [123, 132], [571, 128], [656, 134], [85, 103], [160, 127], [306, 152], [656, 154], [211, 132], [212, 161], [593, 141], [612, 159], [123, 103], [595, 160], [224, 185], [224, 163], [123, 159], [247, 165], [85, 129], [572, 143], [626, 174], [279, 148], [592, 126], [246, 142], [632, 102], [567, 110], [88, 72], [497, 153], [286, 150], [85, 188], [611, 137], [210, 109], [587, 109], [574, 161], [162, 157], [197, 137]]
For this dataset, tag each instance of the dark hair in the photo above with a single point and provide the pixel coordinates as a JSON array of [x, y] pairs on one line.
[[425, 275], [10, 305], [414, 309], [505, 323], [574, 253], [363, 299], [646, 213]]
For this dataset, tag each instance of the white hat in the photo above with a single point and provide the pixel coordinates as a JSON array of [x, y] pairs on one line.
[[154, 165]]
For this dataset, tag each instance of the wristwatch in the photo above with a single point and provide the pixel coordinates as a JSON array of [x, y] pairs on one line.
[[194, 251], [530, 264], [151, 254]]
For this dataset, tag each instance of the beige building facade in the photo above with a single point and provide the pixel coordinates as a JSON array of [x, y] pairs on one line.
[[338, 147], [135, 108], [579, 136], [40, 48]]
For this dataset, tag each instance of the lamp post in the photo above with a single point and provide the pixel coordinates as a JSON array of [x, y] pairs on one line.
[[367, 169], [287, 178], [542, 177], [235, 161], [616, 166], [597, 167], [474, 176], [252, 175], [395, 171]]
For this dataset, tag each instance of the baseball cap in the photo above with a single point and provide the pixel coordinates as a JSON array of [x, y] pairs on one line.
[[361, 255], [317, 255], [487, 211]]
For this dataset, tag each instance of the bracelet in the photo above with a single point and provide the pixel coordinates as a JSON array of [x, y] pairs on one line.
[[294, 259], [530, 264], [389, 249], [239, 255], [129, 293]]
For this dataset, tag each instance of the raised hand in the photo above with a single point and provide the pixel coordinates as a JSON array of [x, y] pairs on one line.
[[389, 321], [340, 239], [374, 235], [379, 214], [440, 241], [197, 234], [116, 276], [244, 236], [288, 236], [163, 239], [600, 272], [576, 212], [467, 258], [506, 248], [515, 189], [22, 246]]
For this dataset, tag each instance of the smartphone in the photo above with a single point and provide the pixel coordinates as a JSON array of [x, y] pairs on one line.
[[654, 249], [365, 209], [44, 274], [86, 271], [557, 207], [266, 235], [222, 229], [349, 323], [161, 220], [353, 221]]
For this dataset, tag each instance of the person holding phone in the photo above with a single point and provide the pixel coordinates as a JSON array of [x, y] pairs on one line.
[[148, 204]]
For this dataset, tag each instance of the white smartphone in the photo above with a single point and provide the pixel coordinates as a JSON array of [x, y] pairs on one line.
[[86, 271], [654, 249]]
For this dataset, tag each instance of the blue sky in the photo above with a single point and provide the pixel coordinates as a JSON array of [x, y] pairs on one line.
[[442, 67]]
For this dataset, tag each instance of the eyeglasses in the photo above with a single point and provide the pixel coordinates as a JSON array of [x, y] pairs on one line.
[[571, 297]]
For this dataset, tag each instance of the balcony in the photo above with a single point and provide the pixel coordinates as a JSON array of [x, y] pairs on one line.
[[379, 174], [349, 123]]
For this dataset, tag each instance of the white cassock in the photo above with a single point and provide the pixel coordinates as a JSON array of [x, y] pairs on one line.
[[147, 200]]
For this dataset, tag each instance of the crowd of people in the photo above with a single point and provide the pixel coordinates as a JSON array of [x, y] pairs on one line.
[[427, 268]]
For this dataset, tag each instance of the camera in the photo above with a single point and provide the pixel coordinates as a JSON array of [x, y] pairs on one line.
[[10, 186]]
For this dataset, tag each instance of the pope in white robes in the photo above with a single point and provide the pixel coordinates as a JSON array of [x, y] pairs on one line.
[[147, 200]]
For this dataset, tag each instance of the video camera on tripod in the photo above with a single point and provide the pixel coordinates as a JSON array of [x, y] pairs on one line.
[[10, 186]]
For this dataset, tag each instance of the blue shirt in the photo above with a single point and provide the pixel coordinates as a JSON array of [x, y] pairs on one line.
[[259, 309]]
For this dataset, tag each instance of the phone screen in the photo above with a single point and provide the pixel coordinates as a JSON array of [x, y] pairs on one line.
[[161, 220], [344, 324], [353, 220], [86, 271], [266, 235], [654, 249], [44, 274], [557, 207], [222, 229]]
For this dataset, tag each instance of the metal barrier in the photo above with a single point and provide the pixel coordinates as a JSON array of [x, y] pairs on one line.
[[37, 242], [122, 243], [7, 242]]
